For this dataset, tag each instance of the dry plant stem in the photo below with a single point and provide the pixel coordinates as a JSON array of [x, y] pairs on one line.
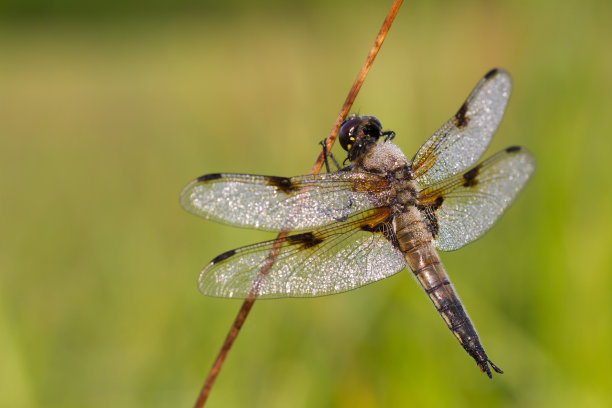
[[350, 98], [250, 300]]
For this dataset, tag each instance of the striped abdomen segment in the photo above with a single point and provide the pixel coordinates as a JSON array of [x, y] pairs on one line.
[[425, 264]]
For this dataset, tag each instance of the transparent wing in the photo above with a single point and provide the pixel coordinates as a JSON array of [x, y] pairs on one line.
[[464, 207], [333, 259], [275, 203], [461, 141]]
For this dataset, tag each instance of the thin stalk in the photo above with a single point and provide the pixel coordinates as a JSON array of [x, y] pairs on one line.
[[250, 299]]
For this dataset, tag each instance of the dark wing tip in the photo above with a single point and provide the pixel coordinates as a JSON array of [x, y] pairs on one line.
[[513, 149], [209, 177], [492, 73], [223, 256]]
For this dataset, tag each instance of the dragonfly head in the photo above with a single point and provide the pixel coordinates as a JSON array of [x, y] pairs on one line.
[[358, 132]]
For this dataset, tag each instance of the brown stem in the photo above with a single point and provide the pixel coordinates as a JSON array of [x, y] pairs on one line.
[[250, 299]]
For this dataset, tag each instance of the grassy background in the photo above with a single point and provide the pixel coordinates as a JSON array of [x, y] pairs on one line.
[[107, 110]]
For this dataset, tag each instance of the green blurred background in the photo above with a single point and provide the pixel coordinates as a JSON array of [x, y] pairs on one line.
[[107, 109]]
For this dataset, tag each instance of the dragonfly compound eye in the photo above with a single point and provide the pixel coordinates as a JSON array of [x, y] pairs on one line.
[[347, 133]]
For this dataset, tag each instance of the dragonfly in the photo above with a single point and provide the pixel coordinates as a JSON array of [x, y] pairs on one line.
[[373, 218]]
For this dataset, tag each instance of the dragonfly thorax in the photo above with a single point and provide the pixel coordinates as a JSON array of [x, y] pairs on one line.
[[385, 158]]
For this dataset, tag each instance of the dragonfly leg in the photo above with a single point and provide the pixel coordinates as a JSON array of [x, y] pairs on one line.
[[327, 154]]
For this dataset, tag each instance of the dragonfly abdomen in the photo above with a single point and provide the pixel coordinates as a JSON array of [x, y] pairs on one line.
[[425, 264]]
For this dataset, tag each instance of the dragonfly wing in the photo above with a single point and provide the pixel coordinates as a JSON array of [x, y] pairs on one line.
[[276, 203], [336, 258], [462, 140], [462, 208]]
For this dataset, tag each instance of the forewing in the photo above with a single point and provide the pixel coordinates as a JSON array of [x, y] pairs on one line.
[[461, 141], [339, 257], [275, 203], [464, 207]]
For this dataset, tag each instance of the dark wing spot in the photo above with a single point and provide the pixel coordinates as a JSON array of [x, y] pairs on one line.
[[469, 177], [461, 119], [305, 240], [438, 203], [491, 73], [209, 177], [513, 149], [429, 210], [432, 217], [375, 228], [284, 184], [432, 221], [223, 256], [384, 228]]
